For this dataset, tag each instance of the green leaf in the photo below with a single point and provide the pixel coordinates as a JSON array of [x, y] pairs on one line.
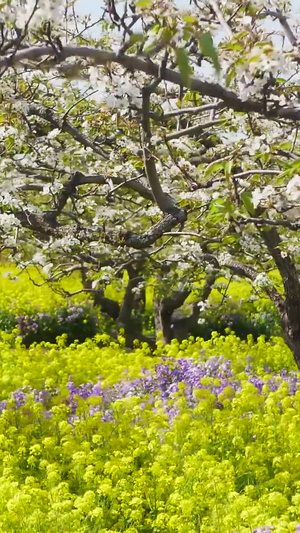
[[144, 3], [9, 142], [164, 37], [230, 75], [213, 167], [246, 198], [183, 64], [228, 169], [136, 38], [220, 210], [207, 48], [190, 19]]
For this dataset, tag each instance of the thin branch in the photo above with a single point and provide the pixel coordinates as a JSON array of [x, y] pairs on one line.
[[30, 187], [60, 122], [164, 201], [223, 23], [263, 172], [294, 226], [139, 242], [193, 130], [239, 175], [47, 225], [284, 23], [85, 97], [131, 184], [190, 111], [185, 233], [245, 271]]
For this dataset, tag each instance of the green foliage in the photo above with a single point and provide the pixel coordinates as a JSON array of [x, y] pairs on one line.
[[183, 64], [8, 320], [233, 305], [247, 318], [77, 322], [207, 48]]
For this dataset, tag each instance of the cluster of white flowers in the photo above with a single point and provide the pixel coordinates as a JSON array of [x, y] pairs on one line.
[[103, 213], [199, 195], [249, 243], [64, 244], [263, 281], [153, 211], [54, 133], [117, 91], [8, 221], [139, 287], [6, 198], [260, 196], [293, 188], [25, 160], [259, 64], [257, 144], [107, 273], [31, 12], [184, 145], [6, 131], [39, 258], [52, 188], [202, 306]]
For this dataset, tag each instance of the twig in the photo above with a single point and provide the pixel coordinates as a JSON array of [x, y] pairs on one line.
[[284, 23], [193, 130], [224, 24]]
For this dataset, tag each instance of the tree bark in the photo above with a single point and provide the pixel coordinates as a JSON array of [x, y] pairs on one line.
[[289, 308]]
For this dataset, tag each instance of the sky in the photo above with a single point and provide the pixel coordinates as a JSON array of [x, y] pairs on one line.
[[93, 6]]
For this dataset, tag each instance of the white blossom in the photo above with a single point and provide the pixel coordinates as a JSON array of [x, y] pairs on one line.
[[64, 244], [259, 196], [293, 188], [53, 133], [8, 221], [263, 281], [39, 258]]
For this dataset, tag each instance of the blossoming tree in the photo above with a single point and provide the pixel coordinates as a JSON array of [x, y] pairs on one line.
[[156, 141]]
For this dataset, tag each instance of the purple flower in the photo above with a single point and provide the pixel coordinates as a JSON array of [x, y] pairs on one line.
[[20, 398], [257, 382], [3, 406], [263, 529], [71, 387], [97, 390]]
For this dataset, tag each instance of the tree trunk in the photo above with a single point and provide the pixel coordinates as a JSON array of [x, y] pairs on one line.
[[289, 308], [162, 325], [293, 342]]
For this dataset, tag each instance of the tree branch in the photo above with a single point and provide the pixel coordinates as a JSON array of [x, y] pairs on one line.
[[62, 123], [164, 201], [188, 111], [294, 226], [250, 273], [193, 130], [47, 225], [223, 23], [139, 242], [133, 185], [132, 63], [262, 172], [284, 23]]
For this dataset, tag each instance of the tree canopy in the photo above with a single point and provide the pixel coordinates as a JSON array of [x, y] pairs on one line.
[[154, 140]]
